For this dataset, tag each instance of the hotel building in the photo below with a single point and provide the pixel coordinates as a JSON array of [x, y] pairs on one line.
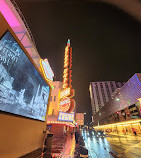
[[123, 110], [101, 92]]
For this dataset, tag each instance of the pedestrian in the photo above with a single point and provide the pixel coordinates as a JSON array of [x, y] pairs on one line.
[[134, 131], [71, 134], [123, 131], [76, 136]]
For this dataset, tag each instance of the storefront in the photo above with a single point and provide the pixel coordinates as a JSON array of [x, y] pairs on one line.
[[127, 127]]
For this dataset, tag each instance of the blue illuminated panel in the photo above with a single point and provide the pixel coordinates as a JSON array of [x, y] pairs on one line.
[[68, 117], [22, 89]]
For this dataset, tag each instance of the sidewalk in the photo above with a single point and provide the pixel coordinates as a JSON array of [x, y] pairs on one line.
[[64, 147]]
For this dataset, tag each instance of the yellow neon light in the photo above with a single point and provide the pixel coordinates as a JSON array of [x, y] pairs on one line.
[[43, 71], [139, 100], [119, 124], [136, 124], [58, 122]]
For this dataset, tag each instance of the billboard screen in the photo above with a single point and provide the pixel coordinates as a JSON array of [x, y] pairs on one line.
[[23, 91]]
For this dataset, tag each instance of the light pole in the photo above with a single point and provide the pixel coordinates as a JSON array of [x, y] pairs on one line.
[[84, 116]]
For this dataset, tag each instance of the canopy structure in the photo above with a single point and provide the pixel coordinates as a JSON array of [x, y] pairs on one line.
[[16, 20]]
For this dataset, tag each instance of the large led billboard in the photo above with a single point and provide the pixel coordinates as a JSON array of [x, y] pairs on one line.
[[23, 91]]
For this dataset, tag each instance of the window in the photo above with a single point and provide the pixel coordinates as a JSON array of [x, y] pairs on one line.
[[54, 98], [107, 89], [117, 85], [51, 98], [97, 92], [112, 87], [102, 91]]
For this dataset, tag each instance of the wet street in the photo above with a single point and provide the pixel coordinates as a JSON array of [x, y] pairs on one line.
[[113, 145]]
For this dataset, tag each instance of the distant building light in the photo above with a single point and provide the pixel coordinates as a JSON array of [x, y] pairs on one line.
[[117, 99]]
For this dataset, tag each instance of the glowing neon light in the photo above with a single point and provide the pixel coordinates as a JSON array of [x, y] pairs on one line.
[[68, 92], [67, 65], [46, 69], [72, 105], [65, 93], [64, 104], [139, 100], [8, 14], [66, 61], [118, 124], [66, 117], [72, 93], [61, 123]]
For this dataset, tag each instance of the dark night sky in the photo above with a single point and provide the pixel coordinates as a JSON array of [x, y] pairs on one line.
[[105, 40]]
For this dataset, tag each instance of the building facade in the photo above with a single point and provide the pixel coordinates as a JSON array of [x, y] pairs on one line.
[[29, 96], [123, 110], [101, 92], [57, 127], [55, 98]]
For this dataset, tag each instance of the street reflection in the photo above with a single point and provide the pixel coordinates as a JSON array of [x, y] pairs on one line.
[[97, 146], [112, 145]]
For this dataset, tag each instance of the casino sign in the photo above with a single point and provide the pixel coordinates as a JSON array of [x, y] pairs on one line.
[[67, 104]]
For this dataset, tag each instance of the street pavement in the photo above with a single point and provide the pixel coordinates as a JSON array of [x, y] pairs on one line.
[[64, 147], [113, 145]]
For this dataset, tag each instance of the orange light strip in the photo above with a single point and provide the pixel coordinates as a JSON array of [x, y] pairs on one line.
[[58, 122], [119, 124]]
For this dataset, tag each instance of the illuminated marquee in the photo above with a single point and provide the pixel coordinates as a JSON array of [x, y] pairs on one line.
[[46, 70], [68, 92], [69, 117]]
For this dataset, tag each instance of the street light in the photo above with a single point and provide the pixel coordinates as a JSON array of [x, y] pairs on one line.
[[117, 99]]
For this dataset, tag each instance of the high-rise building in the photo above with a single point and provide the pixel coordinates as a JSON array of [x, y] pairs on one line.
[[101, 92]]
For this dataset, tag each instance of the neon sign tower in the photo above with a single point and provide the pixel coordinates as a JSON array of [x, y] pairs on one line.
[[67, 104]]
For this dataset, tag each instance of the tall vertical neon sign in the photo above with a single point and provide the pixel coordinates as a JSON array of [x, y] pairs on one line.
[[67, 74], [67, 92]]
